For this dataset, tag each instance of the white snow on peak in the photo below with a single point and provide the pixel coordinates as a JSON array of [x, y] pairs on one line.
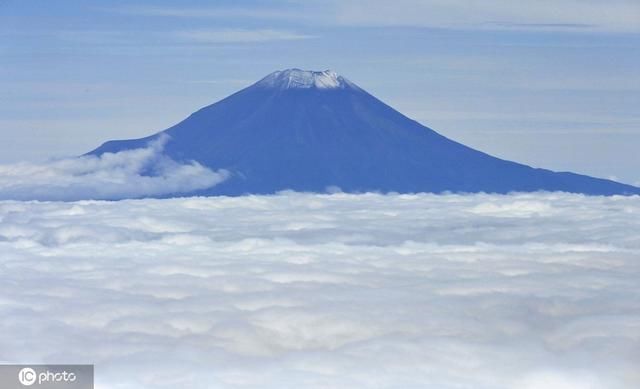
[[304, 79]]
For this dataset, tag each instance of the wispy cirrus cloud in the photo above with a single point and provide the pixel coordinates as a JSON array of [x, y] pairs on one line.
[[180, 37], [275, 13], [238, 35], [543, 15], [558, 15]]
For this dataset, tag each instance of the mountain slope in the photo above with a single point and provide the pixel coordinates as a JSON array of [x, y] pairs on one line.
[[308, 131]]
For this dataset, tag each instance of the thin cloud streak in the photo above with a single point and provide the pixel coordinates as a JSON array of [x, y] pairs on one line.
[[239, 35], [210, 12], [545, 15]]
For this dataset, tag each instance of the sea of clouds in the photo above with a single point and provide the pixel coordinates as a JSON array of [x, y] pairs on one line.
[[530, 291]]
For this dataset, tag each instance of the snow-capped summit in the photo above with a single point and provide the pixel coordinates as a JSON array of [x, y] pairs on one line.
[[304, 79]]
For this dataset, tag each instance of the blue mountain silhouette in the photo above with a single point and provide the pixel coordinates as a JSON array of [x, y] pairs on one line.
[[309, 131]]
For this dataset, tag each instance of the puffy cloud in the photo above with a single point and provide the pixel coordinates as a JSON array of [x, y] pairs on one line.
[[301, 290], [111, 176]]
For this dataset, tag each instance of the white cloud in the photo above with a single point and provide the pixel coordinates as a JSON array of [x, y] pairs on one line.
[[565, 15], [574, 15], [211, 12], [239, 35], [126, 174], [300, 290]]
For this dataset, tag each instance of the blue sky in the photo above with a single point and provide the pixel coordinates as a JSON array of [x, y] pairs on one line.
[[553, 84]]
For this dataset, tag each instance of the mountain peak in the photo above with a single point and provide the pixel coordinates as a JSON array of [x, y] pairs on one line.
[[304, 79], [308, 131]]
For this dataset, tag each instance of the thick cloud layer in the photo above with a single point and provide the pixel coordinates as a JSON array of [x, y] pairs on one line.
[[111, 176], [526, 291]]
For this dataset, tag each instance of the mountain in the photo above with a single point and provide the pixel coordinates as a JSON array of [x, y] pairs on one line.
[[309, 131]]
